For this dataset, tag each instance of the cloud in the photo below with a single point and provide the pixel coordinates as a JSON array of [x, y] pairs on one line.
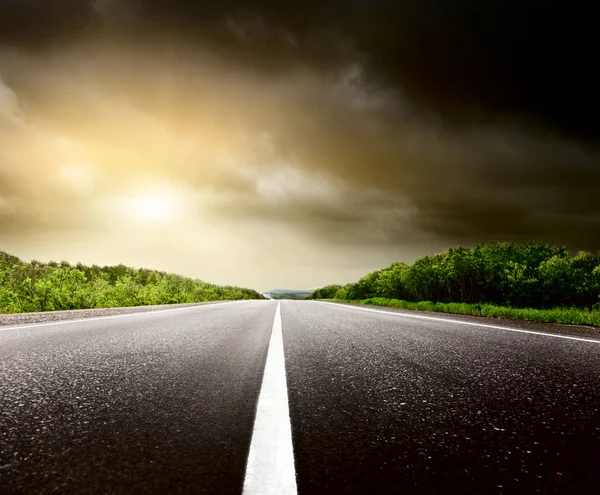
[[308, 137], [469, 61], [39, 25], [10, 110]]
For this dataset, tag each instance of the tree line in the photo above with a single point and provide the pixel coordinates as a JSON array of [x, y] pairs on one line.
[[528, 275], [37, 286]]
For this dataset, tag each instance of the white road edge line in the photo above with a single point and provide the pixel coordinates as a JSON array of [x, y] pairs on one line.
[[270, 469], [96, 318], [497, 327]]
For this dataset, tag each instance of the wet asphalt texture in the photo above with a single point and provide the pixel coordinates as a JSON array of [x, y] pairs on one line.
[[164, 402]]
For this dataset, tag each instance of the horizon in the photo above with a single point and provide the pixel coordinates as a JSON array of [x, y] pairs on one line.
[[252, 145], [570, 252]]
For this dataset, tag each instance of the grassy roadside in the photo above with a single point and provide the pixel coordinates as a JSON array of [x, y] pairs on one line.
[[573, 316]]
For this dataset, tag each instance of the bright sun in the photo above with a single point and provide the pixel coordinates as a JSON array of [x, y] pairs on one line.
[[150, 208], [164, 206]]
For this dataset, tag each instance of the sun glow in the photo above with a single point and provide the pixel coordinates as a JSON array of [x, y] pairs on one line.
[[150, 209]]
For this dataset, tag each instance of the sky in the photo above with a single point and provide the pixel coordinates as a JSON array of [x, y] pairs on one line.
[[291, 145]]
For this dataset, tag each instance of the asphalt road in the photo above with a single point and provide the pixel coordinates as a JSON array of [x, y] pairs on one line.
[[150, 403], [165, 402]]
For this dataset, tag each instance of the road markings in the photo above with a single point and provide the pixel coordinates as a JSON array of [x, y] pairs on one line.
[[422, 317], [270, 468], [96, 318]]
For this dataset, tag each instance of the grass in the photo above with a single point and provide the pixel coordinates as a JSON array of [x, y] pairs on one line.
[[573, 316]]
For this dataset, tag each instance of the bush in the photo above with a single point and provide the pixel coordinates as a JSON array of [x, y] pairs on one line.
[[572, 315], [529, 275], [37, 286]]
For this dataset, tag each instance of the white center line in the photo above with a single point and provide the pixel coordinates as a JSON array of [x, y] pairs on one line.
[[461, 322], [270, 468]]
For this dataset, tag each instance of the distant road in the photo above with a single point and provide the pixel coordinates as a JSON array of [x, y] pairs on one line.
[[374, 402]]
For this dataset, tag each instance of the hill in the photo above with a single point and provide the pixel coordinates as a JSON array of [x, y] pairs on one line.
[[35, 286], [289, 293]]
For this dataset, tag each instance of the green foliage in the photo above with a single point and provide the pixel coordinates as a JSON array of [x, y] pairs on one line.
[[36, 286], [327, 292], [289, 294], [388, 282], [572, 315], [529, 275]]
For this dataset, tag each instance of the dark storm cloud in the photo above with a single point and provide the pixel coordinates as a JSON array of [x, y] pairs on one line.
[[471, 61], [39, 23]]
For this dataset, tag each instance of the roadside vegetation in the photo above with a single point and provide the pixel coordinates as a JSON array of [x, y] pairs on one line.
[[35, 286], [530, 281]]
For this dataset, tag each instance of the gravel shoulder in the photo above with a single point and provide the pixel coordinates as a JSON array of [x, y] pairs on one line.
[[559, 328], [78, 314]]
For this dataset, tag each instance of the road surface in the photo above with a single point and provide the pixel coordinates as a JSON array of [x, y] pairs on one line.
[[200, 399]]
